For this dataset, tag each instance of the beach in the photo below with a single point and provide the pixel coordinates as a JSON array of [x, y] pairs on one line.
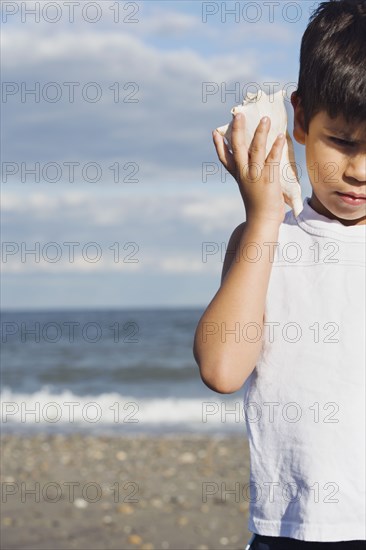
[[177, 491]]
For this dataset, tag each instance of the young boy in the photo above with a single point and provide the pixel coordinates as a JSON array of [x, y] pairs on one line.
[[291, 315]]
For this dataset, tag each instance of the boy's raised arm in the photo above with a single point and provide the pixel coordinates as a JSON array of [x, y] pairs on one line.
[[225, 345]]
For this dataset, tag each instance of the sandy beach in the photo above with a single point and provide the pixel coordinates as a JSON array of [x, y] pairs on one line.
[[130, 492]]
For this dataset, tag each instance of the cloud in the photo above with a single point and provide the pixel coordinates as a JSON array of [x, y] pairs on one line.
[[213, 213], [162, 121], [76, 232], [170, 23], [165, 62]]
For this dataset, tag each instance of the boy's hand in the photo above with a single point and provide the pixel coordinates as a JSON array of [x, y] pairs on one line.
[[258, 177]]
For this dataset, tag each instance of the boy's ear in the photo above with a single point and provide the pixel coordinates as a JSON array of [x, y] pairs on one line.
[[299, 127]]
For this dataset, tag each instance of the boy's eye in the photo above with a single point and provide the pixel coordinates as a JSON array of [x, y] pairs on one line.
[[342, 141]]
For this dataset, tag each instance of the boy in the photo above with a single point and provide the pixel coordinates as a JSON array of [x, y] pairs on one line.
[[291, 306]]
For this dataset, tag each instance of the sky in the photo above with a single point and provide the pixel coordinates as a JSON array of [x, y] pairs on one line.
[[112, 195]]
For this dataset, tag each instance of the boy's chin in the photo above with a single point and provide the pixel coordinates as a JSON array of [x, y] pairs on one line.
[[337, 209]]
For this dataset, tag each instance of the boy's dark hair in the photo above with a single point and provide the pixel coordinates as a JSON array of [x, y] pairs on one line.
[[332, 74]]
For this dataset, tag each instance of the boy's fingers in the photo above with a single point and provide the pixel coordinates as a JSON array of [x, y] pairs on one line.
[[275, 154], [240, 151], [277, 148], [223, 152], [257, 149]]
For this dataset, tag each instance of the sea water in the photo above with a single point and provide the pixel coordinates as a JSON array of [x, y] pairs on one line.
[[108, 372]]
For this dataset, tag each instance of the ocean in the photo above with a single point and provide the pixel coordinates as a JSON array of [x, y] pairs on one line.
[[108, 372]]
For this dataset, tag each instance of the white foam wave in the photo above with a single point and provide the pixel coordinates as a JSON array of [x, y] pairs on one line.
[[113, 409]]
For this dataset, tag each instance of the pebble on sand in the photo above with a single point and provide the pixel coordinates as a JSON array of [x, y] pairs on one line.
[[173, 494], [80, 503], [134, 539], [125, 509], [187, 458], [121, 455]]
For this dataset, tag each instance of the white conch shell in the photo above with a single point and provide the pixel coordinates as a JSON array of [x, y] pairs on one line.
[[254, 107]]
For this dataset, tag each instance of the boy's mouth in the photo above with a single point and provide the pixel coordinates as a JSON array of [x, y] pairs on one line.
[[352, 198]]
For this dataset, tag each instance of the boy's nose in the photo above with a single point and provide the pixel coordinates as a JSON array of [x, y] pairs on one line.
[[356, 167]]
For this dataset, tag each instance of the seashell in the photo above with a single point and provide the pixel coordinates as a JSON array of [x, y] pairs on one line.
[[255, 106]]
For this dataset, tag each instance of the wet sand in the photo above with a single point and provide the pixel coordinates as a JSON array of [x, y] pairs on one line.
[[128, 492]]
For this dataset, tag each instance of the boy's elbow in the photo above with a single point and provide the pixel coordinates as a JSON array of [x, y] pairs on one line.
[[217, 374], [219, 379], [222, 388]]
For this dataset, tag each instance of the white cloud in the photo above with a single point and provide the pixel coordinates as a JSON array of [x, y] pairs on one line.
[[90, 260], [167, 133], [198, 208], [214, 212], [170, 23], [177, 264], [149, 229]]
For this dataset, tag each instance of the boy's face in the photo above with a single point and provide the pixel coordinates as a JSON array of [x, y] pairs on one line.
[[336, 164]]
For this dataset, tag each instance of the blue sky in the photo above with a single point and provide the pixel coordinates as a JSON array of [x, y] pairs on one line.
[[156, 235]]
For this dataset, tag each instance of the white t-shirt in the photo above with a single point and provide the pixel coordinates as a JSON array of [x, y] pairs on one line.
[[304, 403]]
